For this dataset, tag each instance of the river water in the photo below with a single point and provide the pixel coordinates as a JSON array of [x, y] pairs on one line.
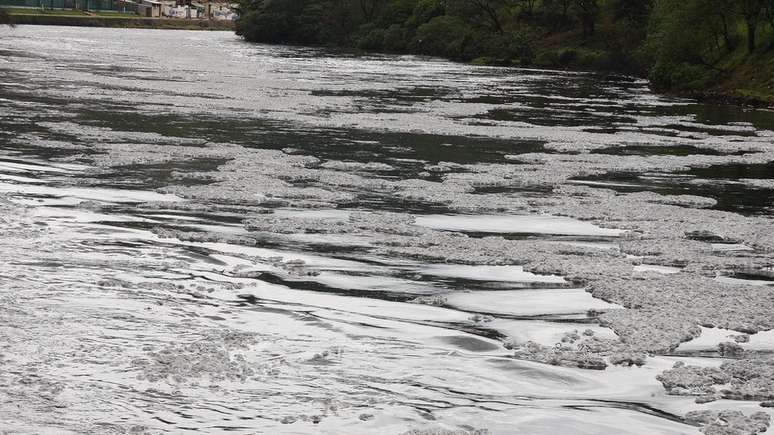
[[205, 235]]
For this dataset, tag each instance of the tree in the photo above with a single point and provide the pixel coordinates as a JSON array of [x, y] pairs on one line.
[[396, 12], [369, 8], [278, 21], [561, 7], [635, 12], [491, 10], [424, 11], [556, 13], [442, 36], [588, 11], [753, 12], [770, 12], [722, 11], [528, 6], [682, 40]]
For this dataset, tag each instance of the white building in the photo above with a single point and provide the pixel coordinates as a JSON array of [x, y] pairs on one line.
[[149, 8]]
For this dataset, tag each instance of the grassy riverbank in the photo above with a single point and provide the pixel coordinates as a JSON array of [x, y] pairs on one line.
[[110, 19], [736, 76], [748, 78]]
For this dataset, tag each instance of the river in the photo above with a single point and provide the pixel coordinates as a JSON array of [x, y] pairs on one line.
[[201, 235]]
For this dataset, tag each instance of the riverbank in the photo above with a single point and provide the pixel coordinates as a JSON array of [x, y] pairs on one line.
[[725, 60], [738, 78], [74, 18]]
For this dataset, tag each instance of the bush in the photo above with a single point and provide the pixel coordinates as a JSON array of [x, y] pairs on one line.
[[500, 49], [263, 27], [482, 61], [396, 38], [679, 76], [371, 38], [425, 11], [281, 21], [547, 59], [567, 57], [593, 59], [518, 46], [441, 36]]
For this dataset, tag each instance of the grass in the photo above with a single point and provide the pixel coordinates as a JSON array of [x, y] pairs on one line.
[[740, 77], [748, 76]]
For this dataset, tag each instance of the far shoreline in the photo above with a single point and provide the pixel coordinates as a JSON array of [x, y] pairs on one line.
[[129, 21]]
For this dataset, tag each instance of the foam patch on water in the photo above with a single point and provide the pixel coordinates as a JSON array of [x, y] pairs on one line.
[[528, 302], [517, 224]]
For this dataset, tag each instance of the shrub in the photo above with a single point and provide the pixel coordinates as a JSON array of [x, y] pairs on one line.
[[441, 36], [372, 40], [679, 76], [263, 27], [396, 38], [425, 11], [567, 57]]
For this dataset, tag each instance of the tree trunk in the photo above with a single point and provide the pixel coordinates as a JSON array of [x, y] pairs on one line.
[[726, 36], [752, 27], [368, 12]]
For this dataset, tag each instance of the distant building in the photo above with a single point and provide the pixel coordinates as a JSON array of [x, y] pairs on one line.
[[150, 8], [182, 9], [222, 11], [184, 12], [205, 9]]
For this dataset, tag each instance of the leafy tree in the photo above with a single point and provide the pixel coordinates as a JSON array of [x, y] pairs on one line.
[[339, 20], [424, 11], [587, 12], [722, 12], [770, 13], [443, 35], [369, 8], [268, 20], [634, 12], [752, 12], [556, 13], [685, 32], [492, 11], [527, 6]]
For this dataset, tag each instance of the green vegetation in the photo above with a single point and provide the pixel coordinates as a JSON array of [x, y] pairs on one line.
[[724, 47], [4, 17]]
